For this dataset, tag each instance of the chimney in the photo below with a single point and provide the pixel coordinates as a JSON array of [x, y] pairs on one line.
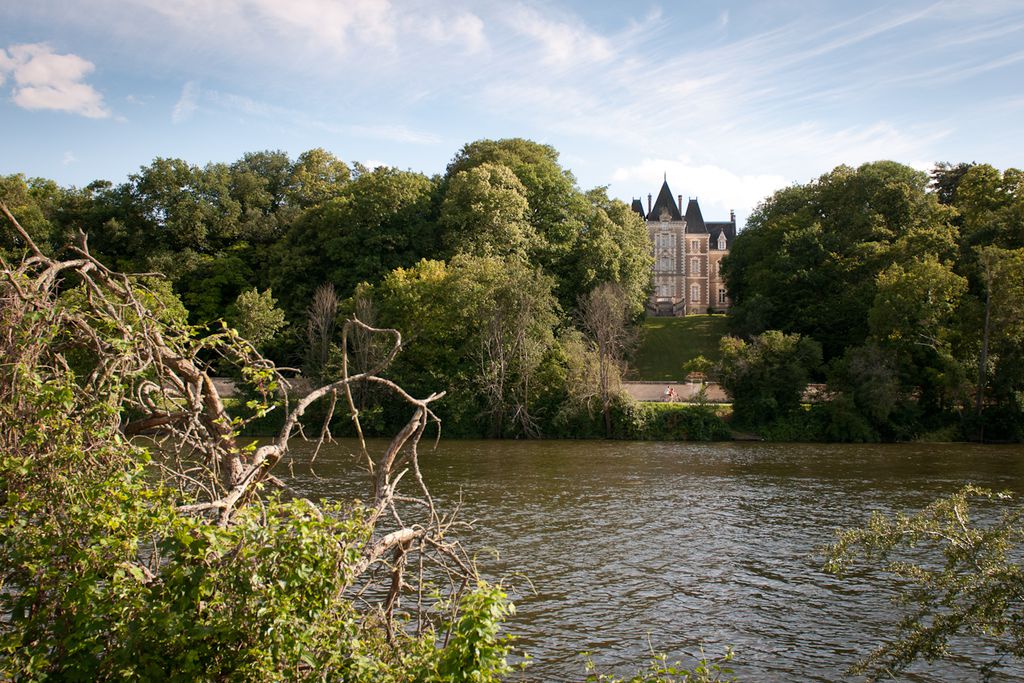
[[679, 198], [648, 202], [732, 215]]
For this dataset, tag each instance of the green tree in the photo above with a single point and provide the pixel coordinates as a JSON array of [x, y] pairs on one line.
[[810, 255], [479, 326], [767, 376], [957, 578], [317, 176], [120, 563], [382, 220], [485, 213], [256, 316], [605, 317]]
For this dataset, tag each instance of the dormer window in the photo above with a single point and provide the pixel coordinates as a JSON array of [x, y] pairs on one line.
[[721, 241]]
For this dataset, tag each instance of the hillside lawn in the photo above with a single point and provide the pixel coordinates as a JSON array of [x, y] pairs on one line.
[[667, 343]]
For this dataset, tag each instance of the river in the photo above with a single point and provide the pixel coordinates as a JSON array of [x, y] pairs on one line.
[[616, 547]]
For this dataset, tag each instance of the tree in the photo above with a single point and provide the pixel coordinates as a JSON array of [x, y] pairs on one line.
[[767, 376], [256, 316], [808, 260], [121, 563], [320, 321], [605, 316], [317, 176], [382, 220], [1003, 330], [958, 578], [485, 213], [915, 305], [481, 327]]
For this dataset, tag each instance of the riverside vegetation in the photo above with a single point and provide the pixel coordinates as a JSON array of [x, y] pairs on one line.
[[497, 271], [121, 562]]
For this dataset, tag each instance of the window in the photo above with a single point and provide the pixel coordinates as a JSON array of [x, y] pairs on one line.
[[663, 290], [695, 246], [694, 266], [718, 268], [721, 241], [695, 293], [721, 296], [665, 262]]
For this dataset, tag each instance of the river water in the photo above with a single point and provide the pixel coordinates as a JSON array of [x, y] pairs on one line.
[[617, 547]]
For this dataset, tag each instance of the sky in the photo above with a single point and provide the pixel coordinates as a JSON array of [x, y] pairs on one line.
[[727, 100]]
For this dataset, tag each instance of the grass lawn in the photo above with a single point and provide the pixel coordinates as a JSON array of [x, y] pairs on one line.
[[667, 343]]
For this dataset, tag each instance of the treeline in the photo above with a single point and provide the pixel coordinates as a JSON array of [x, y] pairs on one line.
[[904, 291], [484, 269]]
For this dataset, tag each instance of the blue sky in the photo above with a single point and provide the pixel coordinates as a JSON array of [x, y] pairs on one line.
[[730, 99]]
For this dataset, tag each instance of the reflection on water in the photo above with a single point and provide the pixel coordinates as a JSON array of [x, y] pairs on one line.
[[628, 546]]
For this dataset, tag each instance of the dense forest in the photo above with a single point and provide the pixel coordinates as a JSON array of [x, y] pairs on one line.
[[483, 269], [517, 291], [904, 291]]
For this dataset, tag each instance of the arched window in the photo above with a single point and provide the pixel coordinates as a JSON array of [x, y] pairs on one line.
[[694, 292]]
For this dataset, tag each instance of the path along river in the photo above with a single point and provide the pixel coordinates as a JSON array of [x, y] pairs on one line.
[[678, 545]]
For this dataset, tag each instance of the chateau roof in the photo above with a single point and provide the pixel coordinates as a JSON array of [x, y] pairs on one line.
[[694, 219], [638, 206], [716, 228], [664, 203]]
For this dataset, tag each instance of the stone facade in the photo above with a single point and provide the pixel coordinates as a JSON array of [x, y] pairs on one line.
[[688, 253]]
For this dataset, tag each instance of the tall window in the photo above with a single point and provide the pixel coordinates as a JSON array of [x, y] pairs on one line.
[[694, 293], [695, 246], [694, 266], [721, 241], [721, 296], [665, 262]]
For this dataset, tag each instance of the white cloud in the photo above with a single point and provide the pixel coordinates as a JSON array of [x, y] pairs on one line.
[[562, 43], [187, 103], [465, 30], [718, 189], [69, 158], [46, 80], [327, 26]]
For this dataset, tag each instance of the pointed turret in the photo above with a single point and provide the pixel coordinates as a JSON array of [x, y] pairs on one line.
[[664, 206], [638, 206], [694, 219]]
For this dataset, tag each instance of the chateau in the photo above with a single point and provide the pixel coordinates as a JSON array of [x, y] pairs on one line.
[[688, 255]]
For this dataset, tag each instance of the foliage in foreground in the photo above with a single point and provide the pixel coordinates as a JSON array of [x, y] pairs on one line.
[[192, 561], [659, 670], [957, 578]]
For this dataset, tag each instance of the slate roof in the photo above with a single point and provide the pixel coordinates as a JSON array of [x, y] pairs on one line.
[[694, 220], [718, 227], [695, 223], [665, 202]]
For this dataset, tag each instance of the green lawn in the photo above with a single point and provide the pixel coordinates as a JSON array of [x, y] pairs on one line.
[[667, 343]]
